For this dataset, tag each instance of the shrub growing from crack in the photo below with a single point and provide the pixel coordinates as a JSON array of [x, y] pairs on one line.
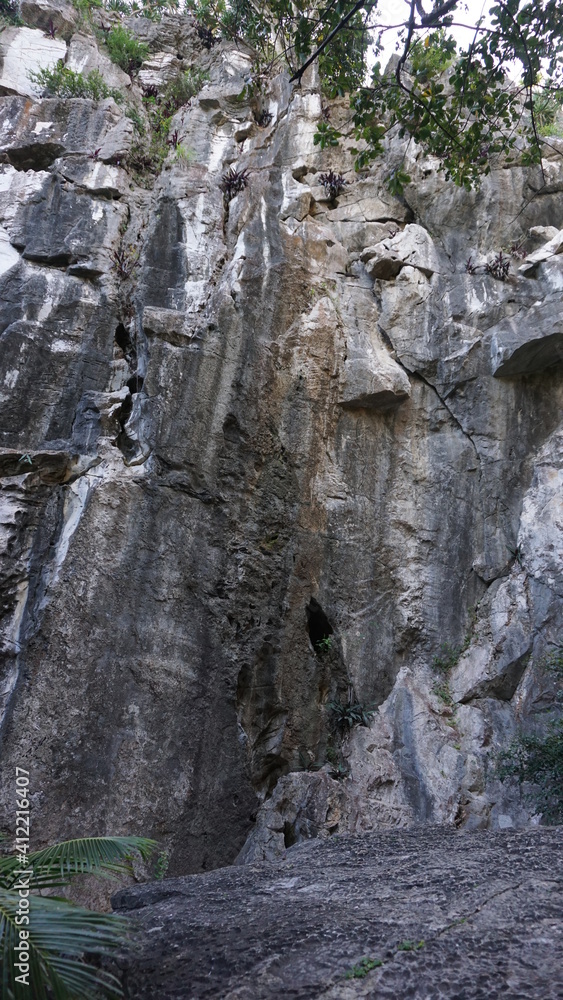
[[63, 82], [346, 716], [145, 160], [10, 13], [125, 261], [553, 661], [263, 119], [179, 91], [333, 184], [447, 658], [539, 761], [125, 50], [498, 267], [233, 182], [442, 691]]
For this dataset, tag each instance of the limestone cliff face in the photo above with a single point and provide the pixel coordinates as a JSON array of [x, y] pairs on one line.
[[294, 419]]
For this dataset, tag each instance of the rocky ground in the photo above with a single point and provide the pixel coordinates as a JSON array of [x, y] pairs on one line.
[[439, 914]]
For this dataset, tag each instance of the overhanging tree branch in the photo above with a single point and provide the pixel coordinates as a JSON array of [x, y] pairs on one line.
[[435, 15], [335, 31]]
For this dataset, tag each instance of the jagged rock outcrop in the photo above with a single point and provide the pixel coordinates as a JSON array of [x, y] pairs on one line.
[[233, 430]]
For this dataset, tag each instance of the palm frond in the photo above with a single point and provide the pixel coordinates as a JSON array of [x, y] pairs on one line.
[[57, 865], [59, 936]]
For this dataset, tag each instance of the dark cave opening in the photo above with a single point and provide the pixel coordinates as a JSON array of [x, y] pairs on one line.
[[317, 623]]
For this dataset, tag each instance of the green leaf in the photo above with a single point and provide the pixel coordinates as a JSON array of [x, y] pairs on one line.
[[57, 865], [60, 934]]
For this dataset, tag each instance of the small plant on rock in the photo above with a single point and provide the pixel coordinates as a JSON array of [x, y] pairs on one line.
[[447, 658], [470, 267], [333, 184], [517, 249], [346, 716], [410, 945], [125, 261], [498, 267], [364, 966], [324, 645], [161, 865], [150, 92], [233, 182], [264, 119], [174, 139]]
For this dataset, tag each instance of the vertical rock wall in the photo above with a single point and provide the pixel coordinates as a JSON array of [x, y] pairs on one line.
[[295, 420]]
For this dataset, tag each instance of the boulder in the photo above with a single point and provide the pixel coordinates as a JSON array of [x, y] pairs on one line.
[[297, 199], [84, 56], [380, 385], [550, 249], [46, 14], [159, 69], [64, 228], [412, 246], [528, 342]]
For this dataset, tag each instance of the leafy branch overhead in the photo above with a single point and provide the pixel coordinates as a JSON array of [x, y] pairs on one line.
[[495, 99]]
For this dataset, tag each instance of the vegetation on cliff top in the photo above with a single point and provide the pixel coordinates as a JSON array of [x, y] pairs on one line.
[[461, 106]]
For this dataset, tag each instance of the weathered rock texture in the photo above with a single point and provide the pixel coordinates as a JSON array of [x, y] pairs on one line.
[[293, 420], [449, 915]]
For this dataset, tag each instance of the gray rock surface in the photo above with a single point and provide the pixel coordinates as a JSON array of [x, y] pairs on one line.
[[24, 51], [448, 915], [227, 437]]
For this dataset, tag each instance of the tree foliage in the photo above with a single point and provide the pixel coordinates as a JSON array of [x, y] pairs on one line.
[[539, 761], [467, 107]]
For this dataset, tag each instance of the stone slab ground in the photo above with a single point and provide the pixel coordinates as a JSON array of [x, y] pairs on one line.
[[450, 915]]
